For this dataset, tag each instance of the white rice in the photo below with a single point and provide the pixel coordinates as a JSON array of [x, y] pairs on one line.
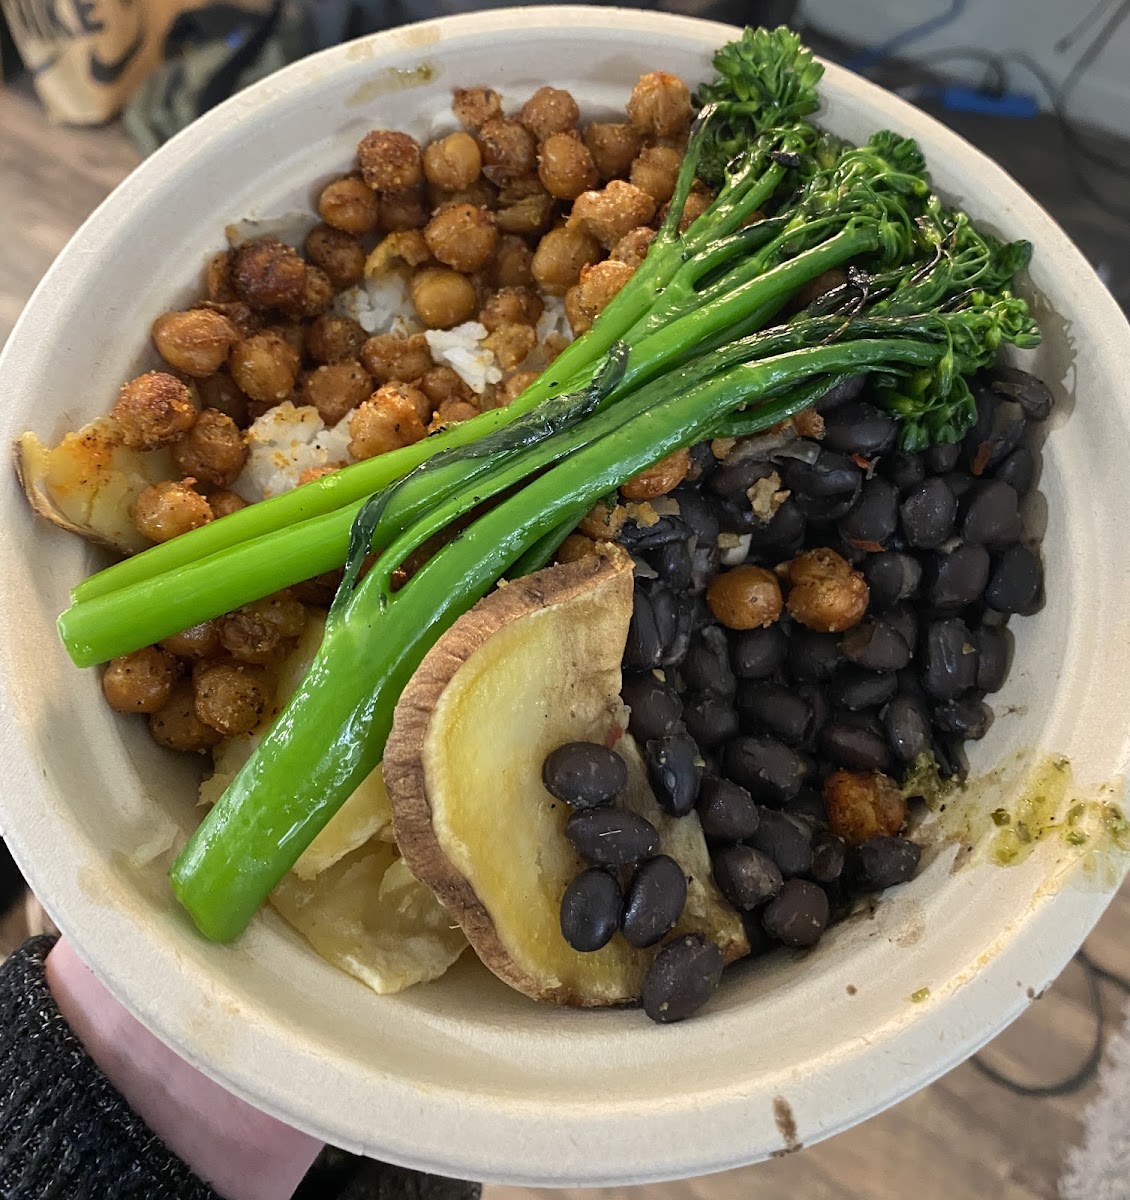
[[284, 442], [553, 320], [379, 305], [462, 350]]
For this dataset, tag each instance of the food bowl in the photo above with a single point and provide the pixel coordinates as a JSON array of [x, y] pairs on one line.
[[463, 1076]]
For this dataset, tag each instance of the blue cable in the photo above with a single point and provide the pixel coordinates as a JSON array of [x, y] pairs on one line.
[[876, 54]]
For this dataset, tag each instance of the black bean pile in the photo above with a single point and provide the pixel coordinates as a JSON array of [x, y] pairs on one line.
[[785, 669]]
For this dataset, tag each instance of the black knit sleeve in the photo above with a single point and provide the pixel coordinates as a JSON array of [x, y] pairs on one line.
[[64, 1130]]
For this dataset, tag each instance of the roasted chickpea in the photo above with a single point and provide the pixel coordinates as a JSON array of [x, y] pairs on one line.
[[231, 697], [408, 248], [655, 172], [745, 597], [632, 248], [141, 681], [660, 105], [697, 203], [603, 522], [453, 162], [508, 149], [257, 632], [212, 451], [317, 296], [660, 479], [243, 318], [217, 278], [319, 591], [442, 297], [560, 256], [403, 210], [442, 385], [481, 193], [512, 263], [398, 394], [525, 207], [312, 474], [452, 412], [197, 641], [826, 281], [338, 253], [613, 148], [265, 367], [511, 344], [293, 333], [223, 503], [511, 306], [586, 300], [462, 236], [609, 214], [167, 509], [391, 356], [863, 805], [195, 342], [510, 389], [333, 339], [177, 727], [382, 423], [390, 161], [267, 273], [474, 107], [349, 204], [336, 389], [153, 410], [565, 166], [575, 547], [548, 111], [826, 594]]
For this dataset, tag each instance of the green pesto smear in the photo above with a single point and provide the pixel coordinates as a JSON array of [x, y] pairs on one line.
[[917, 997]]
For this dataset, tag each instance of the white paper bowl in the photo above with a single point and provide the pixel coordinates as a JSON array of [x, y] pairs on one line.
[[463, 1076]]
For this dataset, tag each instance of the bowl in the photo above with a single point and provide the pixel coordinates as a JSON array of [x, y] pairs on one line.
[[464, 1077]]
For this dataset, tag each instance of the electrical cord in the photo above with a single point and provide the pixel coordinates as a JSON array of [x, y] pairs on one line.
[[900, 41]]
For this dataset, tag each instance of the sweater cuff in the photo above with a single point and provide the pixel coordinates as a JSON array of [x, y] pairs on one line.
[[64, 1129]]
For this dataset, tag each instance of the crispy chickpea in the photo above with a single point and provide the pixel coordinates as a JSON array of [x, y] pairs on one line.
[[560, 256], [265, 367], [383, 423], [660, 105], [268, 274], [195, 342], [153, 410], [243, 318], [613, 148], [565, 166], [512, 263], [316, 297], [474, 107], [403, 210], [319, 591], [508, 149], [548, 111], [462, 236], [389, 356], [632, 248], [602, 522], [293, 333], [586, 300], [442, 385], [697, 203], [575, 547], [745, 597], [336, 252], [212, 451], [826, 281], [826, 594], [390, 161], [481, 193], [660, 479], [408, 248], [525, 207], [609, 214], [256, 632], [655, 172], [335, 389], [333, 339], [167, 509], [510, 389], [863, 805], [217, 277], [452, 412], [453, 162], [177, 727], [443, 298], [141, 681], [399, 394], [231, 697], [223, 503], [349, 204], [313, 474], [511, 306], [511, 344], [197, 641]]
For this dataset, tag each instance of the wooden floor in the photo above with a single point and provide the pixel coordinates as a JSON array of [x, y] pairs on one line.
[[962, 1137]]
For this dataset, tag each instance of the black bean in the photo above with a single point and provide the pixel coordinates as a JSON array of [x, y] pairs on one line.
[[927, 514], [757, 653], [830, 475], [779, 537], [992, 515], [672, 563], [891, 577], [876, 645], [941, 459], [610, 837], [681, 978], [823, 509], [858, 688], [584, 774], [904, 620], [949, 659], [706, 667], [759, 941], [590, 910], [907, 722], [705, 563], [786, 840], [992, 647], [881, 862], [985, 453], [853, 747], [872, 521], [813, 695], [814, 656], [727, 812], [968, 718], [904, 469], [697, 514], [1015, 581], [644, 647], [808, 805], [861, 429], [950, 757], [656, 709], [674, 768], [958, 578], [654, 901], [732, 483], [1018, 470], [841, 393], [746, 877], [1030, 393], [702, 460], [799, 914], [776, 709], [829, 853], [640, 538], [710, 720], [768, 768], [674, 618], [958, 482]]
